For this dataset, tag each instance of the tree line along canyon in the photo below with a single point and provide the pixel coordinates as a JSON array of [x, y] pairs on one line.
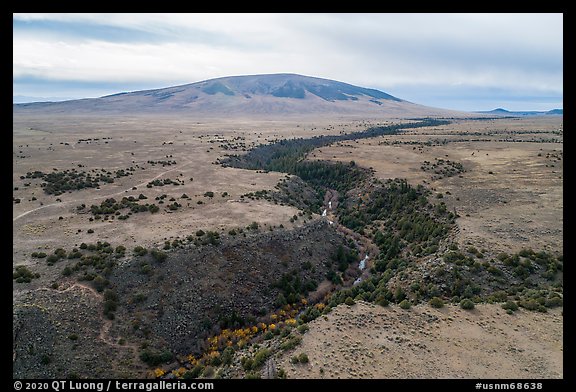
[[283, 226]]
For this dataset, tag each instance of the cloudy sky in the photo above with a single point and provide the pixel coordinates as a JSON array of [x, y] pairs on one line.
[[455, 61]]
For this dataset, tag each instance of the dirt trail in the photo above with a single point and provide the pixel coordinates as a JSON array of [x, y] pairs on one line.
[[104, 334], [63, 203]]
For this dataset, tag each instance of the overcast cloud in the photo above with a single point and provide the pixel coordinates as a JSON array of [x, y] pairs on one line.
[[456, 61]]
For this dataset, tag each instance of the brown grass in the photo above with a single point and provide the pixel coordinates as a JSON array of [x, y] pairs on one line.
[[510, 196], [369, 341]]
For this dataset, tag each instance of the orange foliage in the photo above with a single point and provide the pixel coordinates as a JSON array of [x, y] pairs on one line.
[[192, 359], [242, 343], [159, 372], [291, 321], [179, 372], [213, 354], [242, 336]]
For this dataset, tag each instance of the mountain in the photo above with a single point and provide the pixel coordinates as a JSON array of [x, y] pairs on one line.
[[268, 95], [504, 112], [27, 99]]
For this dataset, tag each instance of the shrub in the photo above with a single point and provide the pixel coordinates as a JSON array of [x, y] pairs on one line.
[[110, 295], [280, 300], [100, 283], [227, 356], [553, 302], [526, 253], [212, 237], [146, 269], [382, 301], [247, 363], [154, 358], [495, 270], [510, 305], [52, 259], [109, 307], [498, 296], [194, 372], [268, 335], [467, 304], [333, 277], [399, 294], [436, 302], [75, 254], [158, 255], [260, 357], [208, 372], [23, 275], [140, 251], [405, 304], [303, 328], [292, 342], [532, 304], [349, 301], [303, 358]]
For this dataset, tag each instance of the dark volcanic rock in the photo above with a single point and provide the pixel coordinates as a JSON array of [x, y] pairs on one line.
[[196, 289]]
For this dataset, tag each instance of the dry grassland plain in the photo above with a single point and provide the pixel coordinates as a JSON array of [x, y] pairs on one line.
[[369, 341], [508, 196]]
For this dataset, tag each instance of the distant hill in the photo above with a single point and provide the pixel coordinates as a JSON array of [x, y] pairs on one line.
[[504, 112], [28, 99], [268, 95]]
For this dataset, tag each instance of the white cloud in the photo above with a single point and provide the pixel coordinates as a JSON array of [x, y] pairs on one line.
[[515, 51]]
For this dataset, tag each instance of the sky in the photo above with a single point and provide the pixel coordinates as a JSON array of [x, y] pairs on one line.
[[454, 61]]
